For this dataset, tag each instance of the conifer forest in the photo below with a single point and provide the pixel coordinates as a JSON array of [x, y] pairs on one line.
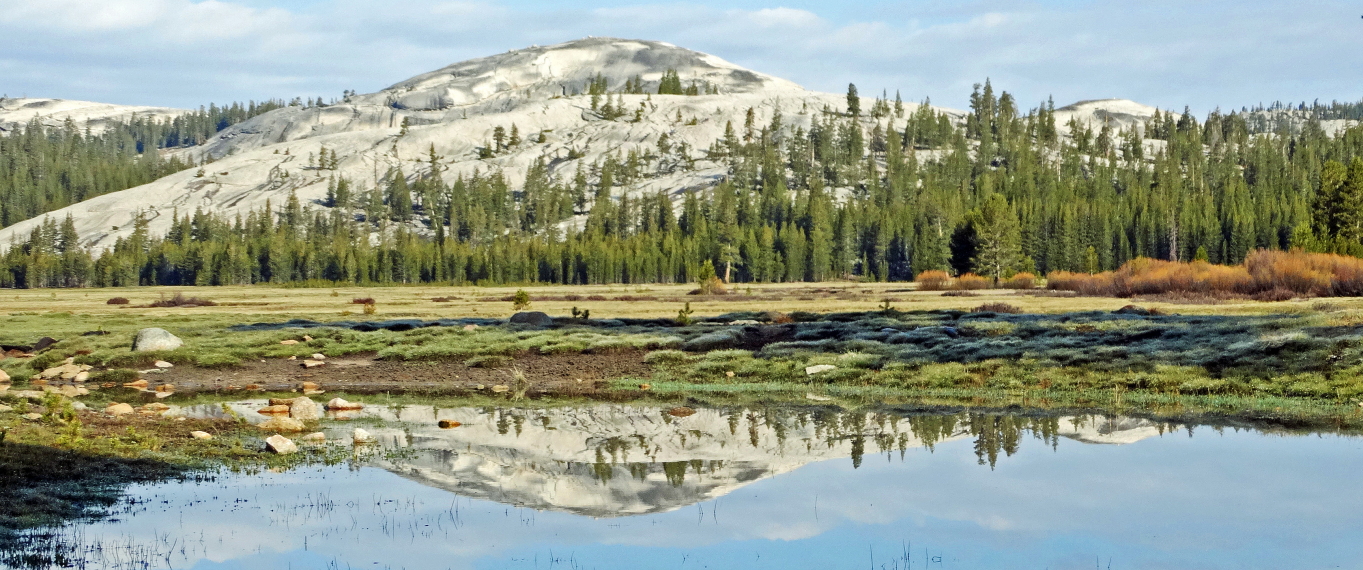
[[876, 194]]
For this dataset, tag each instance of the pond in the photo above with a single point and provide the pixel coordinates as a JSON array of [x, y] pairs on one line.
[[616, 487]]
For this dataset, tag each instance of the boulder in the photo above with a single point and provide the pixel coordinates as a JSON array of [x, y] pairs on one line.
[[117, 409], [318, 356], [275, 409], [154, 339], [289, 342], [362, 436], [532, 318], [718, 340], [314, 437], [4, 377], [43, 343], [155, 408], [312, 363], [282, 424], [201, 435], [6, 408], [33, 416], [339, 404], [138, 384], [817, 368], [163, 364], [305, 409], [280, 445]]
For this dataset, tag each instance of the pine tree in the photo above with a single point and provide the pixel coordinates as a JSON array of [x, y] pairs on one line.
[[998, 235]]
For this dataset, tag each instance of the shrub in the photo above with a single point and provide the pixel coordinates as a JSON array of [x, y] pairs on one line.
[[362, 301], [998, 308], [521, 300], [180, 300], [1265, 274], [117, 301], [960, 294], [1275, 294], [370, 308], [971, 282], [932, 281], [1022, 280], [711, 286]]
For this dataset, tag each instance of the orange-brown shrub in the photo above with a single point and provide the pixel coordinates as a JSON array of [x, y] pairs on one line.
[[118, 301], [970, 282], [1265, 274], [933, 281], [1098, 285], [1022, 280]]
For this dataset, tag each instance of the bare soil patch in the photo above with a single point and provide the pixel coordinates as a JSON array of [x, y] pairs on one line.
[[554, 374]]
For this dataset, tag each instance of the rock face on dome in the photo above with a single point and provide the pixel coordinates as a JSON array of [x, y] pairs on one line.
[[565, 69], [539, 92]]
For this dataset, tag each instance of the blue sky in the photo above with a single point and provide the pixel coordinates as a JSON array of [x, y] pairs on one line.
[[1171, 53]]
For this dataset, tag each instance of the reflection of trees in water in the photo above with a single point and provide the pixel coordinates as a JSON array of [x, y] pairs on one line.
[[994, 434]]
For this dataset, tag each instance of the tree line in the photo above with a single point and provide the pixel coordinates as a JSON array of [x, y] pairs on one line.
[[877, 196]]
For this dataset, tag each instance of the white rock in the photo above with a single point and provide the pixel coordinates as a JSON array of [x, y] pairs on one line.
[[163, 364], [304, 409], [318, 356], [817, 368], [154, 339], [4, 377], [201, 435], [314, 437], [117, 409], [362, 436], [280, 445], [282, 424], [339, 404], [33, 416], [6, 408]]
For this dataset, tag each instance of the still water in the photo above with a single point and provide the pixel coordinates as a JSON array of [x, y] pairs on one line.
[[617, 487]]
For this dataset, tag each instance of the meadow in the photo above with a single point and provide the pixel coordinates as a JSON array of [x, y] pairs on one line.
[[1294, 361]]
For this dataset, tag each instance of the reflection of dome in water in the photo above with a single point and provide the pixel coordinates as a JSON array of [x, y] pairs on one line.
[[607, 461], [1107, 430], [614, 460]]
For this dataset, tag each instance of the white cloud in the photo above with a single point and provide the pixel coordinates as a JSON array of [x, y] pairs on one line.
[[1163, 52]]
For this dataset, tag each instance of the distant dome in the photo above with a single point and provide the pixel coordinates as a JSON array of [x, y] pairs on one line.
[[567, 68]]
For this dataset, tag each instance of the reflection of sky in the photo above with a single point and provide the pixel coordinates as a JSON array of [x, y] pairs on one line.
[[1232, 500]]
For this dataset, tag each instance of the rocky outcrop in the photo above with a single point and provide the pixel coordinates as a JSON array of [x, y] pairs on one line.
[[532, 318]]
